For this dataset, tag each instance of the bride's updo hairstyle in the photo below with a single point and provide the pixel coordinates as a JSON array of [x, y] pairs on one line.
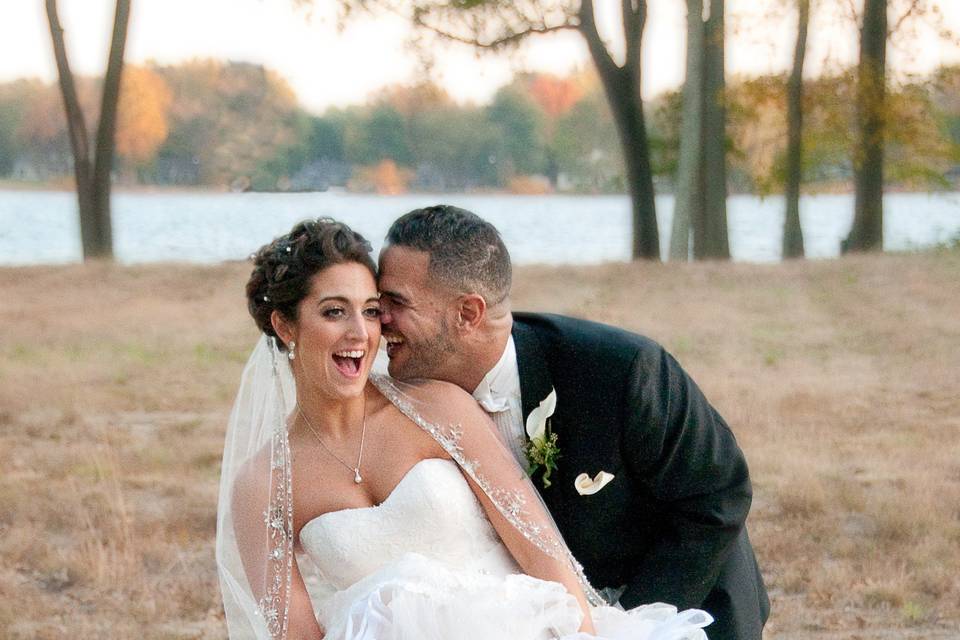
[[282, 269]]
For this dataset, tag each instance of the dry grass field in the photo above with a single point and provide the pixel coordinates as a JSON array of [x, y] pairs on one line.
[[840, 378]]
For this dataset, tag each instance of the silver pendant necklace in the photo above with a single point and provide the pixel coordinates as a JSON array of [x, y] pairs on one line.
[[363, 432]]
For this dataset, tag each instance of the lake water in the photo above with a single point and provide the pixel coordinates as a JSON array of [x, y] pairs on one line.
[[42, 227]]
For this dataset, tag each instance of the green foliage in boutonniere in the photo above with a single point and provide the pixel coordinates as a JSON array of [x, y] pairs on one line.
[[541, 449], [542, 453]]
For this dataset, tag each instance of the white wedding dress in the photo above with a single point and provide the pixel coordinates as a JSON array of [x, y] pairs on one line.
[[427, 565]]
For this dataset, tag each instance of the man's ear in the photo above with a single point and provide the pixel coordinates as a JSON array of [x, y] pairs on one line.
[[471, 311], [283, 327]]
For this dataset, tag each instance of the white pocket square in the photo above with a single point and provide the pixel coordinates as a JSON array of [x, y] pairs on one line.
[[587, 486]]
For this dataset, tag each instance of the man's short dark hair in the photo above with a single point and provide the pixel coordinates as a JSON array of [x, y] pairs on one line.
[[467, 254]]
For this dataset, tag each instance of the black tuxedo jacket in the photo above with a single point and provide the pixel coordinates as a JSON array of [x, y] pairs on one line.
[[670, 525]]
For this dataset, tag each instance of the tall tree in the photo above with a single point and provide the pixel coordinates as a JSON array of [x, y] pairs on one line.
[[792, 233], [495, 24], [701, 189], [92, 171], [867, 231], [688, 190], [710, 230]]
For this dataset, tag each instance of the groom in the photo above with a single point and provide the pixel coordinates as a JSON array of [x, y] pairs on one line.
[[665, 521]]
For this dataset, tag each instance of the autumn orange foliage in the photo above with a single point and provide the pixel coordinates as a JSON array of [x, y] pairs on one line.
[[388, 180], [555, 95], [384, 178], [143, 119], [529, 185]]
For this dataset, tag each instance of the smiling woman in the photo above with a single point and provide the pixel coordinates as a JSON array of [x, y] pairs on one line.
[[335, 333], [313, 294]]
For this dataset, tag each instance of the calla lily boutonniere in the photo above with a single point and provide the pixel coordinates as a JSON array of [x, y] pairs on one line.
[[541, 449]]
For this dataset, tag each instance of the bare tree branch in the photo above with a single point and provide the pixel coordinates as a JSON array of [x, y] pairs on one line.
[[511, 39], [109, 105], [76, 124], [852, 12], [914, 7], [630, 32], [634, 18], [588, 27]]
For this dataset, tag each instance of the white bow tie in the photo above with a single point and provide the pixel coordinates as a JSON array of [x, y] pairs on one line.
[[493, 404]]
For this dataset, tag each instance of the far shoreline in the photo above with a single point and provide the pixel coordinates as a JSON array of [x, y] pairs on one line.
[[538, 267], [840, 188]]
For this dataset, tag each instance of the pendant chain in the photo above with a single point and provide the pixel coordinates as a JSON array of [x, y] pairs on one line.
[[363, 432]]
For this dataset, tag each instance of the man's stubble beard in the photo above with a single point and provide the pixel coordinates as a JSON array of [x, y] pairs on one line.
[[430, 358]]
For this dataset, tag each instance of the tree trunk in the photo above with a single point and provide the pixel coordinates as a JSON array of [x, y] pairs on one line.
[[688, 191], [92, 174], [107, 129], [552, 168], [628, 115], [622, 88], [77, 130], [636, 158], [792, 232], [867, 231], [712, 241]]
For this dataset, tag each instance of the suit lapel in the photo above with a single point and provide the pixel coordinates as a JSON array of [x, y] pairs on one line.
[[535, 379], [536, 382]]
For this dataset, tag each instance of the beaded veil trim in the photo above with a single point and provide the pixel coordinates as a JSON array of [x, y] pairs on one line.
[[274, 606]]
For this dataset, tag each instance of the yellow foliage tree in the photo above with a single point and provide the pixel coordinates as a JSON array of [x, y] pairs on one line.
[[388, 179], [143, 119], [384, 178]]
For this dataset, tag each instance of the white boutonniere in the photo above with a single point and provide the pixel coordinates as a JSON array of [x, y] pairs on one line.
[[587, 486], [541, 449]]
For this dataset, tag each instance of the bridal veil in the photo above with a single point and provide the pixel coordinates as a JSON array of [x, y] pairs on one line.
[[255, 511]]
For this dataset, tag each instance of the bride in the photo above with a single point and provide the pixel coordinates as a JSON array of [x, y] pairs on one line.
[[398, 498]]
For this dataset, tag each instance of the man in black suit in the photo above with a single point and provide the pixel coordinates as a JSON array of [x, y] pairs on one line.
[[651, 491]]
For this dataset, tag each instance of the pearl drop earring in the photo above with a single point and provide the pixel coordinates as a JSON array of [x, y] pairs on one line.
[[290, 353]]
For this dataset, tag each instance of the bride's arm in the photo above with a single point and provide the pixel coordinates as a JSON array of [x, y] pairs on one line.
[[250, 497], [303, 621], [514, 507], [531, 559]]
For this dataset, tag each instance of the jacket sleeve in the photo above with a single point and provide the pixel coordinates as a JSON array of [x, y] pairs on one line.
[[683, 453]]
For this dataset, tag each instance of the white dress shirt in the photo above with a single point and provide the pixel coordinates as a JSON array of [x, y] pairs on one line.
[[499, 394]]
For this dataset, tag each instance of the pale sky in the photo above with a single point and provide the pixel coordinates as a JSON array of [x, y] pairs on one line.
[[326, 67]]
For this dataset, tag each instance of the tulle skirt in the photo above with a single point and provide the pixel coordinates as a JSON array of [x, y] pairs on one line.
[[416, 598]]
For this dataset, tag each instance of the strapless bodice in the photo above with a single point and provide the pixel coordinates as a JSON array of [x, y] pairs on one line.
[[428, 565], [432, 512]]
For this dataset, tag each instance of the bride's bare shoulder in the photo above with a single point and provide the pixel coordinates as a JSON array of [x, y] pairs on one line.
[[250, 486], [437, 397]]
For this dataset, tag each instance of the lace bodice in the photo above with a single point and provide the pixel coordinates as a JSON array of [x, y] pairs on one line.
[[432, 511]]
